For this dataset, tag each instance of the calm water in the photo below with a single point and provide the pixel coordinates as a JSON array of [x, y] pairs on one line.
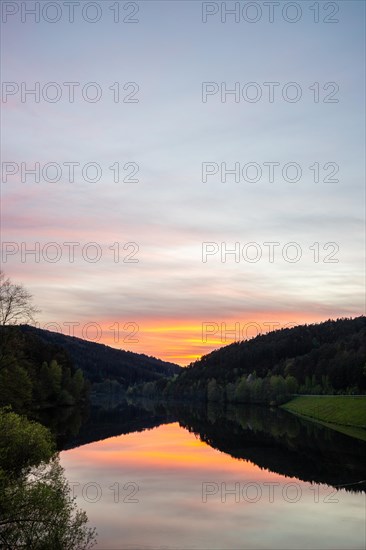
[[246, 478]]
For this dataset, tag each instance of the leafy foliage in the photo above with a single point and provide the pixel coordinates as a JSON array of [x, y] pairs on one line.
[[23, 443], [36, 508]]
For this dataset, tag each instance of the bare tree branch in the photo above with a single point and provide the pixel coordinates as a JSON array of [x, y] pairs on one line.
[[15, 303]]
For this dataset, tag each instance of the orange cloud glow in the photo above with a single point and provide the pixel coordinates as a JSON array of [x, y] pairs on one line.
[[178, 341]]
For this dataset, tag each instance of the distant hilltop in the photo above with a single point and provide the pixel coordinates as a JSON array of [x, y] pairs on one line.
[[99, 362], [325, 358]]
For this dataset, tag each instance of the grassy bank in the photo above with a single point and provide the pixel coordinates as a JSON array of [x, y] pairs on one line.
[[345, 413]]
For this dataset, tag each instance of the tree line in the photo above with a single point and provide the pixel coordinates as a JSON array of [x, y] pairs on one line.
[[325, 358], [36, 375]]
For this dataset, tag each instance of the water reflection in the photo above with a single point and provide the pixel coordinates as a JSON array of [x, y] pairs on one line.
[[270, 438], [283, 443], [215, 479]]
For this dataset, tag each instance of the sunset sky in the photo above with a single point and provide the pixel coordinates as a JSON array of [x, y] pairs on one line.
[[163, 302]]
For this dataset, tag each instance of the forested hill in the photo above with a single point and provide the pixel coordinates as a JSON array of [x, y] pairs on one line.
[[99, 362], [35, 374], [328, 357]]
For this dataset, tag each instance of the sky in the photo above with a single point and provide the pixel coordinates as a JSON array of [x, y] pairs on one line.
[[198, 175]]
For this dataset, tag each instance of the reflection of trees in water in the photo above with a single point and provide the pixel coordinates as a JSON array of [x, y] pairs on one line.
[[271, 438], [100, 423], [283, 443], [63, 421]]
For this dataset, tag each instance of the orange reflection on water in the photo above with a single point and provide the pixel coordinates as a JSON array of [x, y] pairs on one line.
[[186, 492], [167, 447]]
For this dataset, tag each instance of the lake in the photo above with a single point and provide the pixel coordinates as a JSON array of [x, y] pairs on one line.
[[151, 477]]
